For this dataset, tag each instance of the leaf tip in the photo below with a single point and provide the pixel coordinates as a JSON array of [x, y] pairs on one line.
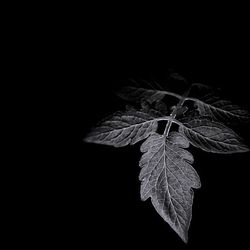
[[247, 149], [183, 235], [87, 139], [243, 149], [185, 239]]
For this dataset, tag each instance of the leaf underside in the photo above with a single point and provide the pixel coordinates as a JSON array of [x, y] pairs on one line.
[[168, 178]]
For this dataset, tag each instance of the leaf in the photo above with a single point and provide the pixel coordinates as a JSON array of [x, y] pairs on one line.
[[167, 178], [161, 107], [212, 136], [138, 95], [124, 128], [221, 110], [180, 112], [177, 77], [149, 99]]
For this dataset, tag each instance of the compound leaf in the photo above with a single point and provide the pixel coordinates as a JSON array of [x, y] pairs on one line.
[[166, 175], [168, 178]]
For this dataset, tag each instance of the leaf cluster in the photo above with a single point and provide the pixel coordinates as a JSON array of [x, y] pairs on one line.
[[167, 176]]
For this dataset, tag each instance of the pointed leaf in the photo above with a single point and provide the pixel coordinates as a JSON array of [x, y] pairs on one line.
[[212, 136], [124, 128], [221, 110], [167, 178]]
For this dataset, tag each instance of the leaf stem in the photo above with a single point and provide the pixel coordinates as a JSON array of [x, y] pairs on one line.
[[174, 112], [172, 94]]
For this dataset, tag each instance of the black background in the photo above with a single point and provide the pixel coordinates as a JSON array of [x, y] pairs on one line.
[[102, 189]]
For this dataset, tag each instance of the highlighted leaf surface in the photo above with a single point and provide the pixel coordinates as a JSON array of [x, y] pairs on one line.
[[221, 110], [212, 136], [124, 128], [168, 178]]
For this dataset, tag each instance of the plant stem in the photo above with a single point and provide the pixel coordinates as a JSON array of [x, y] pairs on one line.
[[174, 112]]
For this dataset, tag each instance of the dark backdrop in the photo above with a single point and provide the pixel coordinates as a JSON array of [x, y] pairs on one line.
[[103, 189]]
